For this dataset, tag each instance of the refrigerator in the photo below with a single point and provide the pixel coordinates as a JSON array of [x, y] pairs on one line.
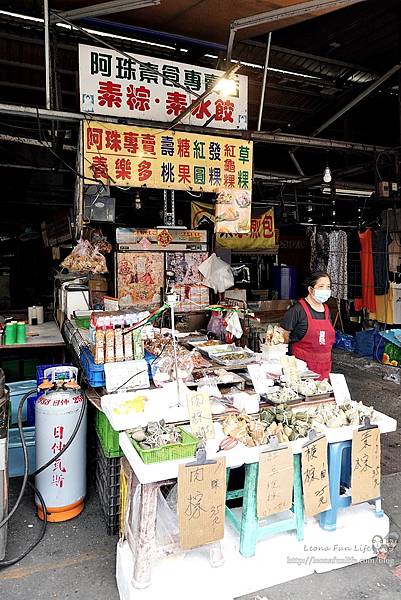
[[144, 256]]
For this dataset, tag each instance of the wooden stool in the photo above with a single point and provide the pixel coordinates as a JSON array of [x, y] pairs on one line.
[[248, 527]]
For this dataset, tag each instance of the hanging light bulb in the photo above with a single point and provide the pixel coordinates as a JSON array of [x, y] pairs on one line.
[[225, 87], [137, 201], [327, 175]]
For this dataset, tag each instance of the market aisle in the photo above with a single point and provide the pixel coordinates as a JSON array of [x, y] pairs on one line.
[[76, 559]]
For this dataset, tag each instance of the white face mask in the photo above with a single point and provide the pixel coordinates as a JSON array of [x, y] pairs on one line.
[[322, 295]]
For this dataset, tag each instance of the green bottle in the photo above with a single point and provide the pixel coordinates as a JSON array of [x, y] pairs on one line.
[[21, 332], [11, 333]]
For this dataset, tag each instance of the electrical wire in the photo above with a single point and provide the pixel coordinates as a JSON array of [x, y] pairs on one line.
[[9, 563], [13, 561], [46, 144]]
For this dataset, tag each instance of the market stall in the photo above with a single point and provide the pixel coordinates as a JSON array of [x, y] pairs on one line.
[[264, 413]]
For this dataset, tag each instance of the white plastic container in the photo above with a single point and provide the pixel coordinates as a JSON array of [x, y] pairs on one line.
[[274, 351]]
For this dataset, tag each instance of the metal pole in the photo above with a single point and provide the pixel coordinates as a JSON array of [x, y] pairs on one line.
[[296, 163], [47, 54], [356, 100], [262, 98]]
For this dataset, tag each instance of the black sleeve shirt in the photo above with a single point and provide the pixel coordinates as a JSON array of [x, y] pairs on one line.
[[295, 321]]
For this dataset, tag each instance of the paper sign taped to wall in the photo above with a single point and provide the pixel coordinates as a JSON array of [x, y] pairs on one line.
[[275, 482], [365, 464], [201, 503]]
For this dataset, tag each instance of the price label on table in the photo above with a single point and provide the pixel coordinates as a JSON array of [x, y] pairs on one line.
[[275, 482], [201, 503], [290, 370], [261, 378], [200, 415], [315, 477], [340, 388], [365, 462]]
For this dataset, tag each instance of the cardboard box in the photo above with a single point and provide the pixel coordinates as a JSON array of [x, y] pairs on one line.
[[384, 189], [274, 305], [98, 285]]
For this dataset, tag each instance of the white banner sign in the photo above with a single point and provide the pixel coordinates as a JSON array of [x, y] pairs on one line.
[[111, 84]]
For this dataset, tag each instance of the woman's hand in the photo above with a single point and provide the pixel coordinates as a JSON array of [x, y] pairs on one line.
[[286, 335]]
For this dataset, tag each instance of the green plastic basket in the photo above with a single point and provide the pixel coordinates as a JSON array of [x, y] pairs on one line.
[[107, 435], [82, 322], [169, 452]]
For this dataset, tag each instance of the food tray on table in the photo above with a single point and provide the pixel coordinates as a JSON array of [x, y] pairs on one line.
[[217, 376], [186, 449], [236, 358], [217, 349], [210, 346], [319, 397]]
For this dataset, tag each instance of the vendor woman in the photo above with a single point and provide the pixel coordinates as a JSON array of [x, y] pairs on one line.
[[307, 326]]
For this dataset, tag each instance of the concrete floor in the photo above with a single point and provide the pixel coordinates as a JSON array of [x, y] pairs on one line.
[[77, 559]]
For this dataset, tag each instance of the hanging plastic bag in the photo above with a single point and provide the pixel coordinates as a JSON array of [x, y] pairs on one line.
[[217, 273], [167, 531], [234, 324], [85, 259], [217, 326]]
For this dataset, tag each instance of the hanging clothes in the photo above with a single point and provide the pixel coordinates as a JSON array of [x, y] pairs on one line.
[[391, 219], [394, 252], [354, 267], [396, 289], [380, 261], [337, 264], [320, 250], [368, 291], [384, 307]]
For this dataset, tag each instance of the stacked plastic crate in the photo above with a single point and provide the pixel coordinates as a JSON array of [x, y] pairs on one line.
[[108, 455]]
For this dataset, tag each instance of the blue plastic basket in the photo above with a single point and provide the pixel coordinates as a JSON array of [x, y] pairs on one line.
[[15, 454], [18, 389], [94, 373]]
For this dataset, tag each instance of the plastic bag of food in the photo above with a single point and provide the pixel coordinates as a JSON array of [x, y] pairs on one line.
[[184, 368], [161, 370], [98, 262], [84, 258], [99, 241]]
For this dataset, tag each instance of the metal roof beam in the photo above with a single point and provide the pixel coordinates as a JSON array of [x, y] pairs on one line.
[[256, 136], [286, 12], [322, 59], [105, 8], [358, 98]]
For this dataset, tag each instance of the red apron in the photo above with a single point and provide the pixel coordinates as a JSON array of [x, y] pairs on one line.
[[315, 347]]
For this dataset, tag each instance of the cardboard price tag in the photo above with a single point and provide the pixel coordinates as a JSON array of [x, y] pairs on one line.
[[315, 477], [290, 369], [365, 462], [201, 503], [275, 482], [200, 415], [340, 388], [261, 378]]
